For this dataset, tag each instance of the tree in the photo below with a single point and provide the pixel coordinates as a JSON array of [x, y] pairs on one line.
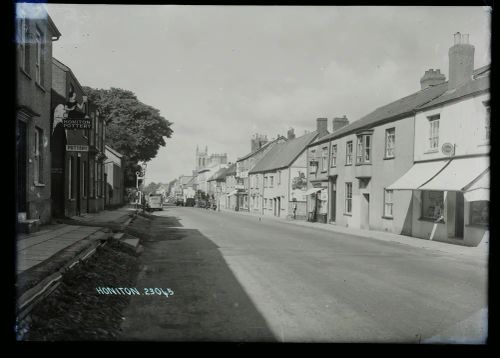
[[134, 129]]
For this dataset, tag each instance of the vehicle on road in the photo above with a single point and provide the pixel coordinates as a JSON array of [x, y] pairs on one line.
[[154, 202]]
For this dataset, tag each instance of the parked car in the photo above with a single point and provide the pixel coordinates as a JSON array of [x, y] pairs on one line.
[[155, 202]]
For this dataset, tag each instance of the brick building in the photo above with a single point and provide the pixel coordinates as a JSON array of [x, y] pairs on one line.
[[35, 32]]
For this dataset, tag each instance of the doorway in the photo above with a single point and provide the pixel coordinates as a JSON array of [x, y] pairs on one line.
[[21, 144], [78, 186], [279, 207], [365, 211], [333, 201], [459, 216]]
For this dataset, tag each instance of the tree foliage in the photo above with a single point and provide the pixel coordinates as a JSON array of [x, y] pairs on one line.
[[134, 129]]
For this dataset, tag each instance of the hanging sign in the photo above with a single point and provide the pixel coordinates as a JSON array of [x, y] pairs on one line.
[[77, 148]]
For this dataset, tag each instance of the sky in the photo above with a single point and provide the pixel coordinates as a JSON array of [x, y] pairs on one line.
[[223, 73]]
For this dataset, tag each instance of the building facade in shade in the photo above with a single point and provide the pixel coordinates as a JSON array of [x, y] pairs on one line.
[[77, 147], [243, 167], [115, 190], [217, 187], [35, 33], [278, 181], [449, 180]]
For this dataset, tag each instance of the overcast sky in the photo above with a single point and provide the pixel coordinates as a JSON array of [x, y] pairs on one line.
[[222, 73]]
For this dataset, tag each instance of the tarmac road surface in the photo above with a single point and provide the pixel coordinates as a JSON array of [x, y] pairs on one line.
[[236, 278]]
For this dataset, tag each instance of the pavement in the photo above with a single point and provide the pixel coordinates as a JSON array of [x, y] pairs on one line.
[[238, 278], [481, 251], [40, 253]]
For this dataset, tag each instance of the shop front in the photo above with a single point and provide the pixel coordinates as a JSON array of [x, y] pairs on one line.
[[450, 199], [317, 202]]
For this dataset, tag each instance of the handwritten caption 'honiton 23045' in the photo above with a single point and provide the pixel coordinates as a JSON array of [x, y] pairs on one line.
[[131, 291]]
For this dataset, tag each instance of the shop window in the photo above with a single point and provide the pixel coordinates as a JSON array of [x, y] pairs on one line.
[[433, 132], [38, 158], [479, 213], [388, 203], [348, 198], [390, 141], [348, 151], [432, 205], [70, 178], [334, 155], [84, 179]]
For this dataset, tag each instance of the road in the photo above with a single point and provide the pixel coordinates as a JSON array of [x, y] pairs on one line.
[[236, 278]]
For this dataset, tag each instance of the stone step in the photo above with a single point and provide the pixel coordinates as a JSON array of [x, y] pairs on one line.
[[118, 235], [28, 226]]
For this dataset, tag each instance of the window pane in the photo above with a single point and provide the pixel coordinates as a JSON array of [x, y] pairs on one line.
[[432, 204], [479, 213]]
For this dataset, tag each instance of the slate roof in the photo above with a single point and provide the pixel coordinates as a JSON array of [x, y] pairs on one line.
[[476, 85], [396, 109], [185, 179], [282, 155], [218, 175], [258, 150], [404, 106], [231, 170]]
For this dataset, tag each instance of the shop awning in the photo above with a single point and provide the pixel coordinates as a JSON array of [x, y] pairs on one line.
[[459, 174], [312, 190], [419, 173], [232, 193], [479, 189]]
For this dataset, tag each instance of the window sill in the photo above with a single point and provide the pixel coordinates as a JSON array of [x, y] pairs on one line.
[[25, 73], [40, 87], [389, 158], [71, 200], [324, 171], [366, 163], [388, 217], [347, 214], [432, 220], [485, 144], [39, 185], [430, 151], [348, 165]]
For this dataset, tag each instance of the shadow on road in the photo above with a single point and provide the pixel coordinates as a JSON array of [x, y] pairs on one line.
[[208, 304]]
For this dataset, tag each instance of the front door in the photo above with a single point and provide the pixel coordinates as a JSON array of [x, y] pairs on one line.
[[459, 216], [78, 187], [21, 144], [279, 206], [365, 211], [333, 201]]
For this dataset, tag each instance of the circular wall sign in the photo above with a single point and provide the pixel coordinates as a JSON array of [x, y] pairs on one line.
[[448, 149]]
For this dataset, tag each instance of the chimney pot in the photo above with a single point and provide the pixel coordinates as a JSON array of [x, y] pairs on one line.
[[321, 126], [461, 57]]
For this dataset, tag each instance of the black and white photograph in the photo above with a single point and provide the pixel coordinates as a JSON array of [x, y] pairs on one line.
[[252, 173]]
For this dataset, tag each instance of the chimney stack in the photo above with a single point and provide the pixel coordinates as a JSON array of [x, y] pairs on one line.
[[290, 134], [432, 78], [461, 56], [321, 126], [339, 122]]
